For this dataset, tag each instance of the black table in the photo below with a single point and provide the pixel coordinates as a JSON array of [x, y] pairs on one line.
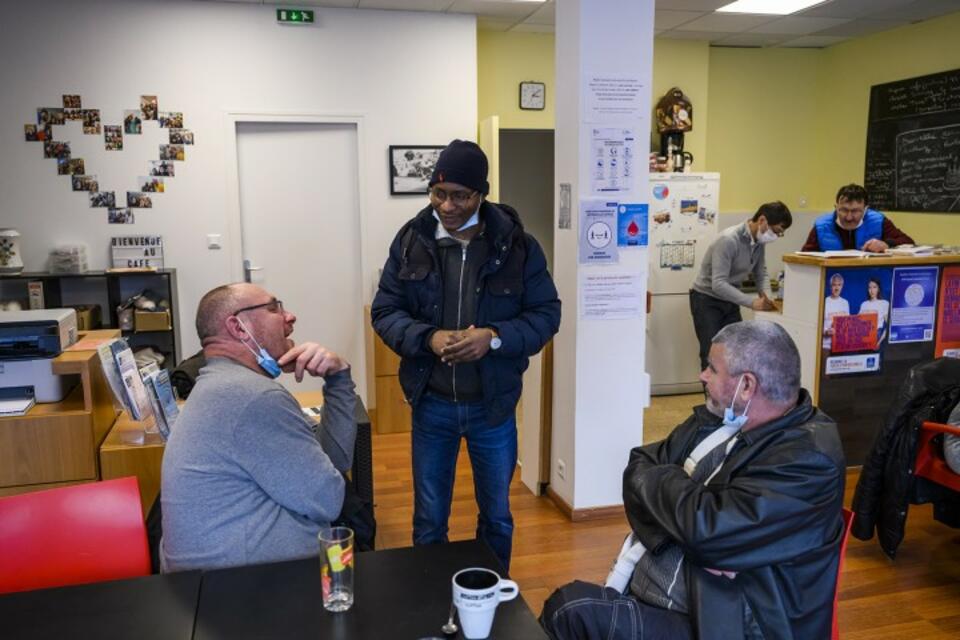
[[161, 607], [400, 594]]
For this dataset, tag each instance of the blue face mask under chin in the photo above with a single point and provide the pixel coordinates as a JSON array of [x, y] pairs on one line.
[[731, 419], [266, 361]]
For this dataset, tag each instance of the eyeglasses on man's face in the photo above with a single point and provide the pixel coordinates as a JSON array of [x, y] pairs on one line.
[[273, 306], [459, 197]]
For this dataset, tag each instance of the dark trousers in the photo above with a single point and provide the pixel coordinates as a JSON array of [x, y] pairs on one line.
[[709, 316], [584, 611]]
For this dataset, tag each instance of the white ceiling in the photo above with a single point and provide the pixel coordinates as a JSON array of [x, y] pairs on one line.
[[825, 24]]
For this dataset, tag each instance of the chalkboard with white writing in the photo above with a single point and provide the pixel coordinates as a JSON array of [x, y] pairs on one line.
[[913, 144]]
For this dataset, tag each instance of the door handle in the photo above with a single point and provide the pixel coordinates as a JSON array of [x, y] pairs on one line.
[[248, 269]]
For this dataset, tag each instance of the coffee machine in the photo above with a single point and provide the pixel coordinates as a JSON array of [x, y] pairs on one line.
[[671, 148]]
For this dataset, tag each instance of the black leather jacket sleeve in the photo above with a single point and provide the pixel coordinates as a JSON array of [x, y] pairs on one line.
[[767, 506]]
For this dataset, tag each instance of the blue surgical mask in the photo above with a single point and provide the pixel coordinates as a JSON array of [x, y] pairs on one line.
[[266, 361], [729, 417]]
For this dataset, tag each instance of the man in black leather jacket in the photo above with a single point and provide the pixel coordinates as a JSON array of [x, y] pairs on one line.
[[740, 541]]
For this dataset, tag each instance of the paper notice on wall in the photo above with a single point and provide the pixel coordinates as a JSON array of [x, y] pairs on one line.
[[611, 295], [565, 210], [612, 160], [611, 97], [598, 224]]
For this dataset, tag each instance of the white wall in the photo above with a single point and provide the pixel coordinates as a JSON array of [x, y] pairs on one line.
[[412, 76]]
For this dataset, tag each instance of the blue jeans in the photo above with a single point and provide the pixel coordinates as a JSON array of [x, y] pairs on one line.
[[438, 426]]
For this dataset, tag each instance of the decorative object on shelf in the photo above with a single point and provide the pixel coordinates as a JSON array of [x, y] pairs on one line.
[[132, 124], [533, 95], [70, 258], [10, 258], [674, 114], [411, 167]]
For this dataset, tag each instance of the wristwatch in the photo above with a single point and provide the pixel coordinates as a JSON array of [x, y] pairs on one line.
[[495, 341]]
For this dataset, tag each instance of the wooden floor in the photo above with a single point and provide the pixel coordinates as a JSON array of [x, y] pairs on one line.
[[917, 597]]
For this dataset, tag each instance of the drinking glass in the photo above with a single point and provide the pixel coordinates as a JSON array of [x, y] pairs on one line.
[[336, 567]]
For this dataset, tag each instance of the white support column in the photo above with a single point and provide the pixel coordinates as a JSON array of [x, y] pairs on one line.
[[604, 54]]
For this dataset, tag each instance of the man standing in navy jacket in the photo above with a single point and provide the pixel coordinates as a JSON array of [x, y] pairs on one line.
[[853, 225], [465, 299]]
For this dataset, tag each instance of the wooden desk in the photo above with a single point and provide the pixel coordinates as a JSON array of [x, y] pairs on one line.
[[855, 388], [55, 444]]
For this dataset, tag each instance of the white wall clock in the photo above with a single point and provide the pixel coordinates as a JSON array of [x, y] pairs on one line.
[[533, 95]]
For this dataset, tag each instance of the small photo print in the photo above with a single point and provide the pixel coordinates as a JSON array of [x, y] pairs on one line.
[[91, 121], [71, 101], [119, 216], [132, 124], [152, 184], [48, 116], [113, 138], [181, 136], [171, 152], [54, 149], [161, 168], [70, 167], [73, 114], [35, 133], [138, 200], [85, 183], [171, 119], [148, 107], [103, 199]]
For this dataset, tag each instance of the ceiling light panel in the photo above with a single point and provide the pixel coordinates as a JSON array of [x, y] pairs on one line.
[[769, 7]]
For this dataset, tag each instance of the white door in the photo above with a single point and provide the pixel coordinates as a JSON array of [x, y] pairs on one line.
[[300, 224]]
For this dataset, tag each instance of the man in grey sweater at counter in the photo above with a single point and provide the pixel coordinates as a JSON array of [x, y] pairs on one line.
[[715, 298], [247, 478]]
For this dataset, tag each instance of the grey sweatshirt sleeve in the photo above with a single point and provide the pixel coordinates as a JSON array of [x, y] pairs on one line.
[[277, 447], [760, 272], [724, 251], [951, 443], [338, 426]]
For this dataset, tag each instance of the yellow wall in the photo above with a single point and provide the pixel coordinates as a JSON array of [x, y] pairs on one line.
[[685, 64], [504, 60], [788, 124], [849, 69], [763, 108]]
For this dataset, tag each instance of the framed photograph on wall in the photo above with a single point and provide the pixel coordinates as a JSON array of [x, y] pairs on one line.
[[411, 167]]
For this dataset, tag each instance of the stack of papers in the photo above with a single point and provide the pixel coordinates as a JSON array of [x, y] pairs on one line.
[[919, 250], [15, 406]]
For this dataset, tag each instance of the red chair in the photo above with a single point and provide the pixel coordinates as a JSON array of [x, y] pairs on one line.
[[847, 526], [930, 463], [72, 535]]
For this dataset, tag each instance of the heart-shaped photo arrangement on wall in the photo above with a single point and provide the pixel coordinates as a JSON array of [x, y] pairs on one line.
[[133, 122]]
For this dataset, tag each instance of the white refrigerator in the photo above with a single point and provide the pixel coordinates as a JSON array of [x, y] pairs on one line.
[[684, 220]]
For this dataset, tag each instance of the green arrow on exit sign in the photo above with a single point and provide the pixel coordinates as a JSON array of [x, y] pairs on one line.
[[294, 16]]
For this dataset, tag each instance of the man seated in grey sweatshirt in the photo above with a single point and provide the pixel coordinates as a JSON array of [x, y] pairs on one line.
[[247, 478]]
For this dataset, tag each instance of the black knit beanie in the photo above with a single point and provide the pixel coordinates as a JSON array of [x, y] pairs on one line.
[[462, 162]]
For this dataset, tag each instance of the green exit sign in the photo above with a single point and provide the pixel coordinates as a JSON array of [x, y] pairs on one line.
[[294, 16]]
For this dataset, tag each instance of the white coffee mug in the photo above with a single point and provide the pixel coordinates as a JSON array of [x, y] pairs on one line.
[[476, 594]]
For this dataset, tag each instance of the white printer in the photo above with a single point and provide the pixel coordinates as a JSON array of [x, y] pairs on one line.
[[29, 341]]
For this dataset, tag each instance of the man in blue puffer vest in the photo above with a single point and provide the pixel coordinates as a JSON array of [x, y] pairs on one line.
[[853, 225], [465, 299]]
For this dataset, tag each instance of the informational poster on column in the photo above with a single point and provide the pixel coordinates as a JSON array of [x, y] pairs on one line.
[[948, 314], [611, 97], [612, 294], [598, 224], [613, 158], [914, 304], [632, 225]]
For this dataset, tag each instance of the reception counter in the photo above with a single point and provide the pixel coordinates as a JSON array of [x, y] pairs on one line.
[[861, 324]]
